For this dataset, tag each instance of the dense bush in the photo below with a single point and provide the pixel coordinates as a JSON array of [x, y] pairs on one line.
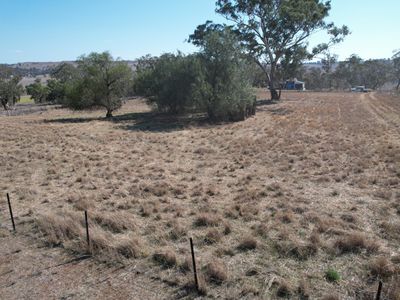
[[216, 80], [223, 88], [167, 82], [99, 81]]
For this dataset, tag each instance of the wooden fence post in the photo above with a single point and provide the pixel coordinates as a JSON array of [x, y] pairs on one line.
[[11, 212], [87, 231], [378, 294], [194, 265]]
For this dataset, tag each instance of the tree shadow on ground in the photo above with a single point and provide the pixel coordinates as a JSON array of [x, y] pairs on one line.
[[264, 102], [265, 105], [147, 121], [162, 122], [159, 122]]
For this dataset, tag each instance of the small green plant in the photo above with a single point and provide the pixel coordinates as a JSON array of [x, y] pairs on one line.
[[332, 275]]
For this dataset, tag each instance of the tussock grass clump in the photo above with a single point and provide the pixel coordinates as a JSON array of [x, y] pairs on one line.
[[177, 231], [284, 289], [114, 222], [383, 194], [260, 229], [130, 247], [216, 272], [26, 193], [79, 201], [158, 189], [304, 289], [393, 288], [101, 243], [297, 249], [68, 231], [227, 228], [354, 243], [207, 219], [381, 267], [286, 217], [348, 218], [391, 229], [167, 258], [248, 243], [186, 264], [212, 236], [57, 229]]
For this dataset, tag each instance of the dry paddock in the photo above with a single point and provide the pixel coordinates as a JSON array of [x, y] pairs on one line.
[[309, 184]]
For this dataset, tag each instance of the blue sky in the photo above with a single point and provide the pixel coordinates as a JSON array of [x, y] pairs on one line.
[[55, 30]]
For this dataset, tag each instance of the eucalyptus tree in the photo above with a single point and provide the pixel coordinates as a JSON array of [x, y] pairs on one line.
[[277, 31], [100, 81], [10, 91]]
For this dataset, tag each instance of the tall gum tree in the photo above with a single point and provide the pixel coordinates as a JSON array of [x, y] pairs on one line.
[[396, 68], [277, 31]]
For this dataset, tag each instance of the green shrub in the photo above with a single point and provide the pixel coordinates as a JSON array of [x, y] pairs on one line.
[[98, 81], [223, 88], [215, 81], [332, 275], [167, 82]]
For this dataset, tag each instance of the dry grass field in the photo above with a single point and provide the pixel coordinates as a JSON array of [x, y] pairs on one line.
[[301, 201]]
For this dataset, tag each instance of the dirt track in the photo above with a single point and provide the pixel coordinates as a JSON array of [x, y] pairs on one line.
[[314, 160]]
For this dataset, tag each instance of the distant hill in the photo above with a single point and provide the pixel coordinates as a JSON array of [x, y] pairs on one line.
[[33, 69]]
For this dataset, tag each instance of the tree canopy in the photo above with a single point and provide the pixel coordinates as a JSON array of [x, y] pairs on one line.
[[10, 91], [396, 68], [276, 32], [99, 81], [38, 91], [215, 80], [223, 88]]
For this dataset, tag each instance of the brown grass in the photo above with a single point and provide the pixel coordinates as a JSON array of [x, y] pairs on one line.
[[381, 267], [166, 258], [207, 220], [248, 243], [356, 242], [216, 272], [284, 290], [305, 182]]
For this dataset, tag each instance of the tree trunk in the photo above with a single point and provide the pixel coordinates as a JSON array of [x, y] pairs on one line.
[[275, 93], [4, 105], [109, 113], [273, 86]]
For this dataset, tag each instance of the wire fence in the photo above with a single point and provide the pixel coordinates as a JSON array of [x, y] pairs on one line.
[[380, 294]]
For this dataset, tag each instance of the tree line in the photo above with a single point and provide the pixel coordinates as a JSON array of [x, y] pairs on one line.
[[354, 71], [265, 42]]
